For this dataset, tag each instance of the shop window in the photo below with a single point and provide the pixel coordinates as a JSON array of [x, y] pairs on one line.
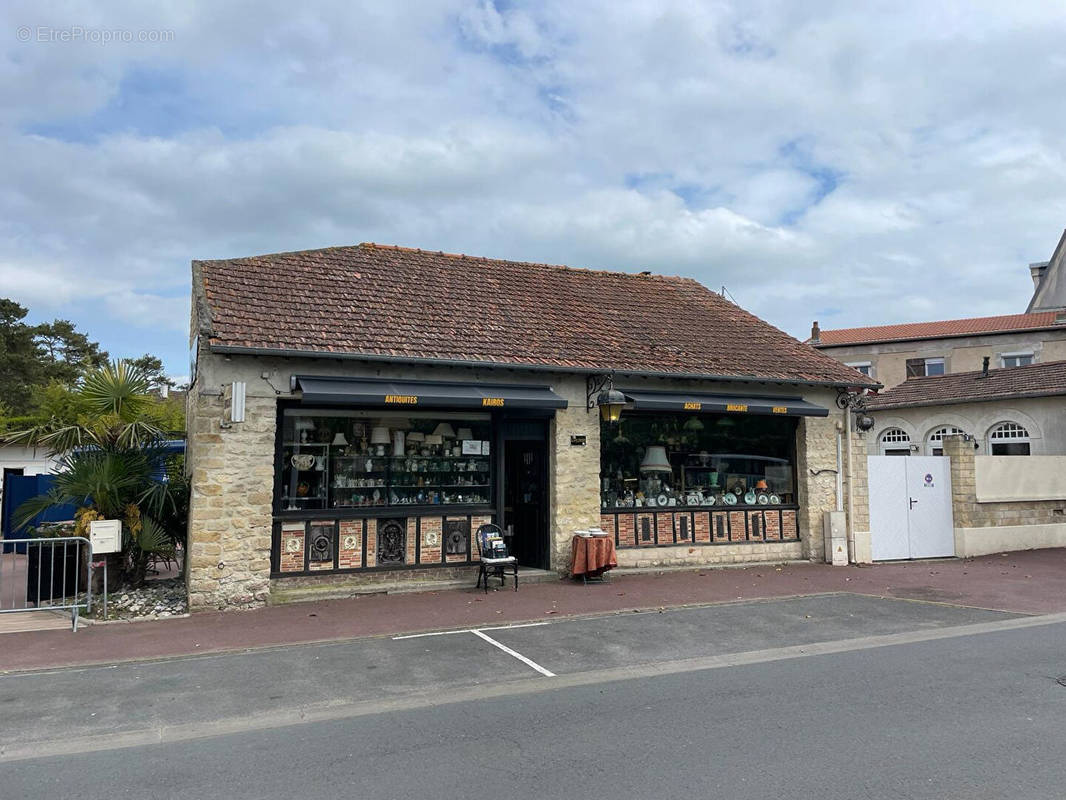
[[689, 460], [366, 459], [935, 443], [1009, 439], [924, 367], [895, 442]]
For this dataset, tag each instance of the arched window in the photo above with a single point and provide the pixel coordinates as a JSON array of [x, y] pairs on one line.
[[895, 442], [934, 446], [1008, 439]]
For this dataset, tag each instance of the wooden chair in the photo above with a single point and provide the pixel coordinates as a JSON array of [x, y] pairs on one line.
[[494, 557]]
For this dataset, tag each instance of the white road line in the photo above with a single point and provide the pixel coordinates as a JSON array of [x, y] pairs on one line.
[[431, 633], [510, 652], [470, 630]]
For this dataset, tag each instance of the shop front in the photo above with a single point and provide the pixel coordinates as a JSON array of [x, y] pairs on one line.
[[701, 469], [383, 475], [350, 434]]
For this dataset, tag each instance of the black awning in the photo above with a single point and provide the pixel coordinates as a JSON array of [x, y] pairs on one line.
[[382, 392], [723, 403]]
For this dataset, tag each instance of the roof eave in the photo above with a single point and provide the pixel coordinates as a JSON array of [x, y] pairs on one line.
[[827, 345], [955, 401], [443, 362]]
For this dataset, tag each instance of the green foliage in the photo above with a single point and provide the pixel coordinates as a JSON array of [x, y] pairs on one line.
[[113, 463], [35, 355]]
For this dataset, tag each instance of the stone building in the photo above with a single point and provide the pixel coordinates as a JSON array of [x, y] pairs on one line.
[[356, 413]]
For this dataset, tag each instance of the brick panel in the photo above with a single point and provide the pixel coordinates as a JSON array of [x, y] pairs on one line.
[[350, 544], [702, 526], [646, 530], [627, 530], [292, 547], [371, 542], [756, 526], [664, 521], [459, 523], [788, 525], [773, 525], [432, 546], [322, 526], [737, 526], [607, 524], [720, 526]]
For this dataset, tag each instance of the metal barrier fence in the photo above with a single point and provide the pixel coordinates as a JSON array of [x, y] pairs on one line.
[[52, 574]]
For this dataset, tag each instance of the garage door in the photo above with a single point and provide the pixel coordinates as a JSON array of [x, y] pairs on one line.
[[910, 507]]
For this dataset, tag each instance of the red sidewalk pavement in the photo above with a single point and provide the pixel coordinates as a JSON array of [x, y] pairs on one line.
[[1031, 582]]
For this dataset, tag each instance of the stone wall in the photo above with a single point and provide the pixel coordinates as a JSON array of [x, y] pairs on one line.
[[230, 514], [574, 471], [998, 526], [695, 556]]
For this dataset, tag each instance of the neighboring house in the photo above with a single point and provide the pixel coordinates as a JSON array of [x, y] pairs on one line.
[[1013, 411], [17, 461], [891, 354], [356, 413]]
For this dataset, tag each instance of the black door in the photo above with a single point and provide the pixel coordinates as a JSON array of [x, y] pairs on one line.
[[526, 501]]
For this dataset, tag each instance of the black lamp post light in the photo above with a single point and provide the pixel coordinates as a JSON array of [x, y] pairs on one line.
[[600, 392]]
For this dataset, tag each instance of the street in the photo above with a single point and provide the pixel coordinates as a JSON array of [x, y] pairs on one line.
[[835, 696]]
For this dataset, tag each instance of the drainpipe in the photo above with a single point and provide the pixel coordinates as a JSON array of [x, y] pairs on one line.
[[840, 467], [851, 504]]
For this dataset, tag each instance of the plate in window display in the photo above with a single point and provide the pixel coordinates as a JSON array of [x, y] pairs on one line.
[[729, 499], [708, 499], [692, 499], [749, 498], [775, 500], [764, 498], [662, 499]]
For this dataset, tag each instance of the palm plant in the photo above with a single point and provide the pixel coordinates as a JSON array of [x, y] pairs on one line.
[[113, 465]]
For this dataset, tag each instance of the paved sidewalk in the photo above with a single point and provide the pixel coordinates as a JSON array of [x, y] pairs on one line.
[[1030, 582]]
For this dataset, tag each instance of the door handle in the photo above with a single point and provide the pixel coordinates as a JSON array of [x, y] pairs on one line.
[[913, 501]]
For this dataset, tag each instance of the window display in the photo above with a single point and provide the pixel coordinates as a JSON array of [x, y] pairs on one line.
[[367, 459], [673, 459]]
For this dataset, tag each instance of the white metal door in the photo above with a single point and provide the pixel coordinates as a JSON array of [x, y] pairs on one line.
[[888, 508], [931, 524], [910, 507]]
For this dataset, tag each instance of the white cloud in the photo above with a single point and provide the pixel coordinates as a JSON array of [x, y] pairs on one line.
[[839, 161]]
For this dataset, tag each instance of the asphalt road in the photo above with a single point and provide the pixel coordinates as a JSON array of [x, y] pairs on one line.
[[832, 697]]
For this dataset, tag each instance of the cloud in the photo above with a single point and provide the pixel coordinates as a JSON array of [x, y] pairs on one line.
[[847, 160]]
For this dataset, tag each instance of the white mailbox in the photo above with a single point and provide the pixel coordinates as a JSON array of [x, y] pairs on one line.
[[106, 536]]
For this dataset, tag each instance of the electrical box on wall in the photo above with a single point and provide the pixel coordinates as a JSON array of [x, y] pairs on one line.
[[835, 536]]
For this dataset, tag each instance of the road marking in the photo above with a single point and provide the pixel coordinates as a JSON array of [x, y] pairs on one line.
[[527, 661], [348, 709], [470, 630]]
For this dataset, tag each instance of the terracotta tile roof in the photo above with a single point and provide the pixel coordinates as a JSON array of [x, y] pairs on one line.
[[1034, 380], [387, 301], [936, 330]]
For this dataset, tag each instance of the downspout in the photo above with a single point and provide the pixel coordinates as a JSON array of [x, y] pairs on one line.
[[851, 505], [840, 467]]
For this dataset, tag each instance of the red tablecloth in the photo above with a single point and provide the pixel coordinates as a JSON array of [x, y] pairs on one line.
[[592, 555]]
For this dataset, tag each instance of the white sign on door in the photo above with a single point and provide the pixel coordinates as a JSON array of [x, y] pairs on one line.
[[910, 507]]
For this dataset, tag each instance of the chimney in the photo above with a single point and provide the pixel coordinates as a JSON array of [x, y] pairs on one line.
[[1037, 270], [816, 333], [984, 367]]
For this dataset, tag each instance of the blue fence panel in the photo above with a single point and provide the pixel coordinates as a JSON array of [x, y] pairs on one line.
[[17, 490]]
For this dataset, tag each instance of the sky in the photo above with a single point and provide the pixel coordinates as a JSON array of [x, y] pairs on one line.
[[855, 163]]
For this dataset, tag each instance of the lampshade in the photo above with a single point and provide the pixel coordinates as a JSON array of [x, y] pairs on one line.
[[464, 434], [655, 460], [416, 436], [340, 440], [379, 435], [693, 424], [433, 438], [444, 430]]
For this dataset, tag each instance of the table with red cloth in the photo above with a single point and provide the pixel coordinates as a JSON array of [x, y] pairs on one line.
[[592, 556]]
